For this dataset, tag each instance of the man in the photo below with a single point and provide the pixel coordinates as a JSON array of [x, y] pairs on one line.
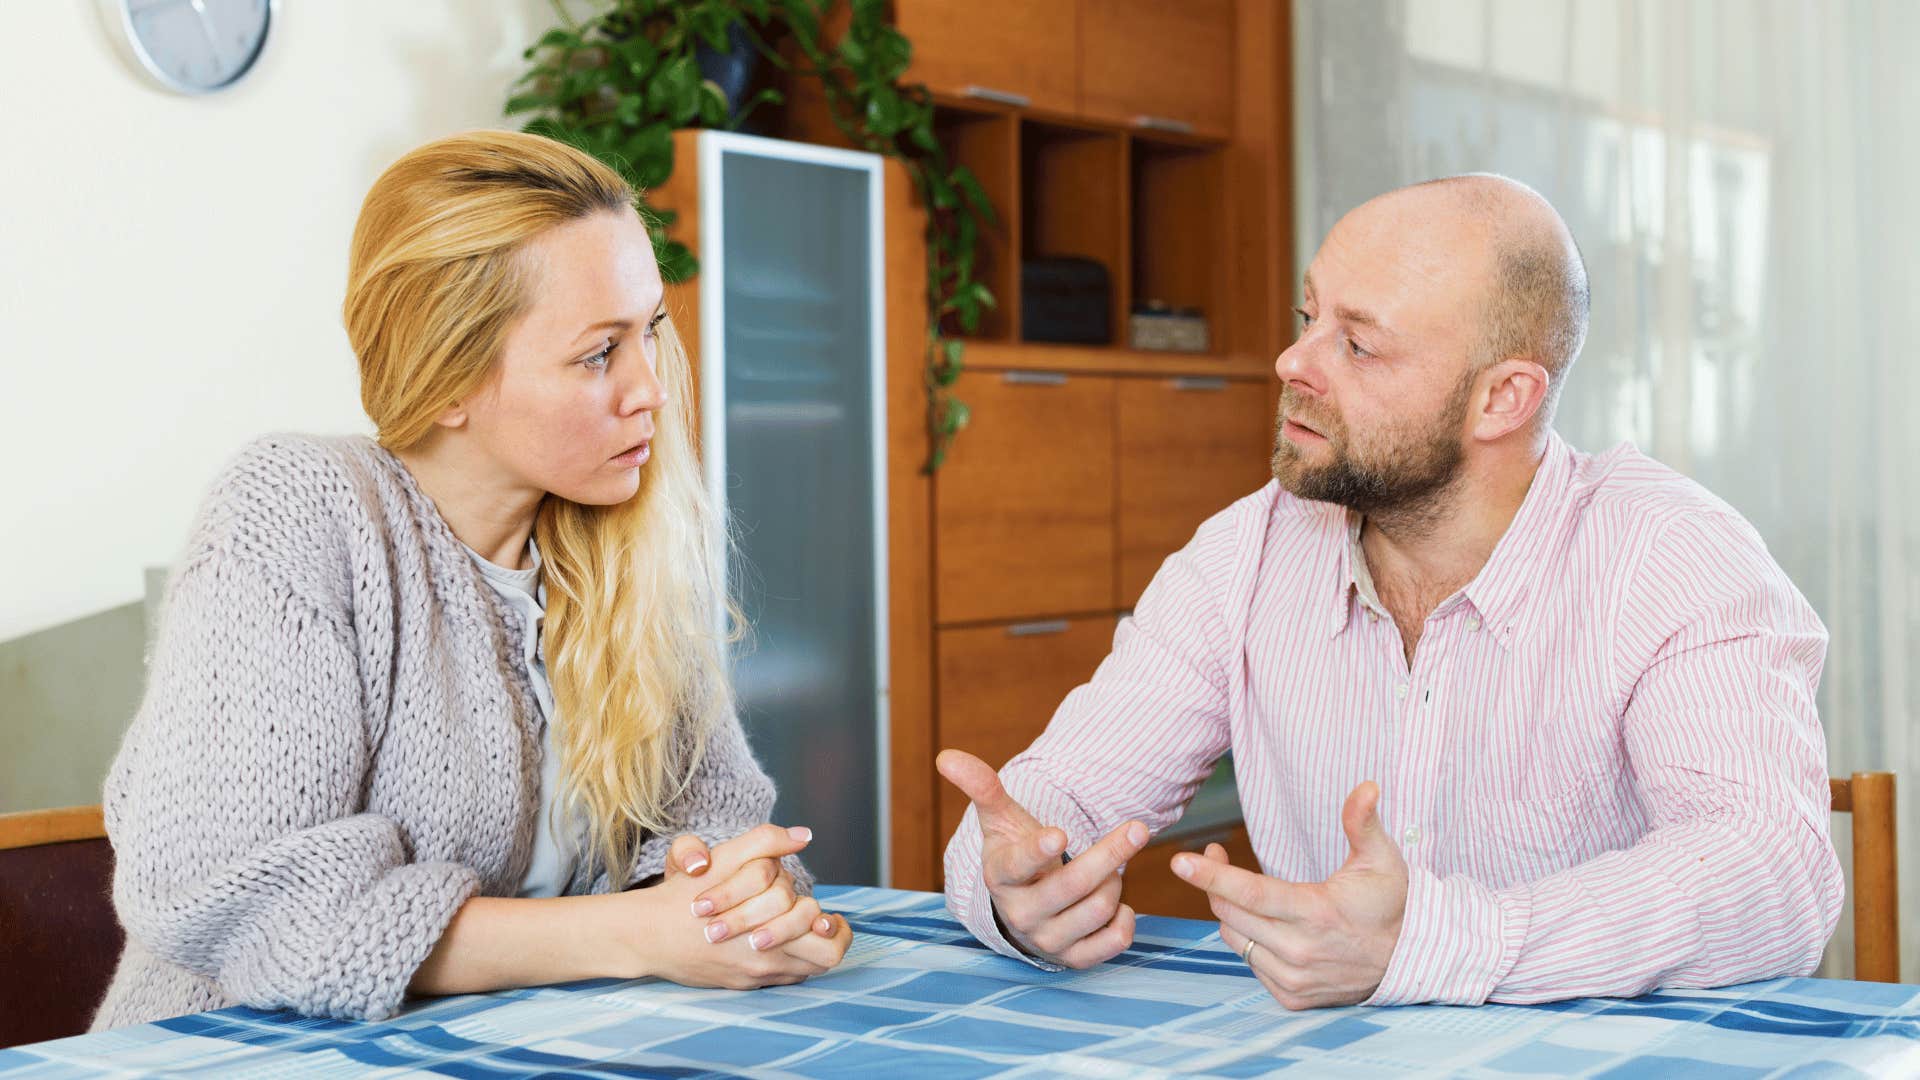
[[1509, 722]]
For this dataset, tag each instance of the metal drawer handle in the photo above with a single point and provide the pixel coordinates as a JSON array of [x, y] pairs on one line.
[[1036, 629], [1003, 97], [1162, 123], [1033, 378], [1199, 382]]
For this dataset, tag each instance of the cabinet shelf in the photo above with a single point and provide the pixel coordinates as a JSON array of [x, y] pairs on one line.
[[1146, 205], [1109, 360]]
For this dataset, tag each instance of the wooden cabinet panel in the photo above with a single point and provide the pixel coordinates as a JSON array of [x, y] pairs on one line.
[[1073, 201], [1023, 507], [1150, 58], [1023, 47], [999, 685], [988, 144], [1180, 239], [1151, 888], [1188, 447]]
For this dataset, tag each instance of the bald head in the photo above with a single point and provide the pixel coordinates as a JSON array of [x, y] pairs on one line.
[[1536, 298]]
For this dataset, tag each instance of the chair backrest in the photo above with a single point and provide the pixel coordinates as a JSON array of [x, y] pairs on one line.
[[1876, 874], [58, 932]]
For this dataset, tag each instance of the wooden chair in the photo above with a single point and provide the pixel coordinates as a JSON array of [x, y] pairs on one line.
[[58, 932], [1876, 880]]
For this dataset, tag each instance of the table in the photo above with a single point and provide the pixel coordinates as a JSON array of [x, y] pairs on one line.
[[917, 996]]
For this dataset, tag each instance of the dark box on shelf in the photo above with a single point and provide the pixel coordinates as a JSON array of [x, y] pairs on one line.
[[1067, 300]]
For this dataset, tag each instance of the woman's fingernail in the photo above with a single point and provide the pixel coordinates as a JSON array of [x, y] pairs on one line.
[[761, 939], [716, 931], [823, 926], [696, 864], [702, 908], [800, 833]]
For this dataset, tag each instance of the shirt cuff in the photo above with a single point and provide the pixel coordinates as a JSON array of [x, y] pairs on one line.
[[1458, 939], [968, 898]]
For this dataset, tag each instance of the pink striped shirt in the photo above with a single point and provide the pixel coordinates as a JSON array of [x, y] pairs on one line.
[[1603, 766]]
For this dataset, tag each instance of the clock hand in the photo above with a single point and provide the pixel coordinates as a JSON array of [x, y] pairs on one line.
[[206, 27]]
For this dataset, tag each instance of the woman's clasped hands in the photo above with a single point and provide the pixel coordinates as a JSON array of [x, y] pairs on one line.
[[731, 917]]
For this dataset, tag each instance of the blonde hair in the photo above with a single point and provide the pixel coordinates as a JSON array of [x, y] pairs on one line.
[[634, 649]]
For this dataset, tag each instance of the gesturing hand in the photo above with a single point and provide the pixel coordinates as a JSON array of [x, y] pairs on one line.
[[1314, 945], [1068, 913]]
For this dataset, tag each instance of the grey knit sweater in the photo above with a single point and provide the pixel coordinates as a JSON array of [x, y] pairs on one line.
[[337, 747]]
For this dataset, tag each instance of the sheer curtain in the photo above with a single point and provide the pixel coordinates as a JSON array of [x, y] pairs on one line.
[[1741, 175]]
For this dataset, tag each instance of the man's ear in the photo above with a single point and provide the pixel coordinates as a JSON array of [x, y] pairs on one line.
[[1515, 389]]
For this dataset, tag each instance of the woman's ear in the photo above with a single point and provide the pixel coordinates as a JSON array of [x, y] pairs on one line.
[[453, 416]]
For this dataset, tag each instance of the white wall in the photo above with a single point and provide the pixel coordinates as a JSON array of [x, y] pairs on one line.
[[171, 268]]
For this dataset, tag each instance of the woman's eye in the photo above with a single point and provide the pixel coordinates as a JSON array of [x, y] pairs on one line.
[[599, 359], [653, 325]]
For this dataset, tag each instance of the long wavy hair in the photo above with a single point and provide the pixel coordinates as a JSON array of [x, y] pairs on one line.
[[634, 645]]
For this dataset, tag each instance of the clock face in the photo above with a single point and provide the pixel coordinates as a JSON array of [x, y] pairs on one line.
[[195, 46]]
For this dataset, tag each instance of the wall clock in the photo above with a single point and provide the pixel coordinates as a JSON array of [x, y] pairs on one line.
[[192, 46]]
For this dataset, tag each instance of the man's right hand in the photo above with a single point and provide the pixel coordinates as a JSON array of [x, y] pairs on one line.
[[1068, 913]]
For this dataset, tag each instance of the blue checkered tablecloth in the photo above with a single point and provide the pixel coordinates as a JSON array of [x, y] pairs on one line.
[[917, 996]]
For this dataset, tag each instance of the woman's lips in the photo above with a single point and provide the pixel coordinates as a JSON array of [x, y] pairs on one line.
[[634, 456]]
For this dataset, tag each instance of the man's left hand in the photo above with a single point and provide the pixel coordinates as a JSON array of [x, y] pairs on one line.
[[1313, 945]]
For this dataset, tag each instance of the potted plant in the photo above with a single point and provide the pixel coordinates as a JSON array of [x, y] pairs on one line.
[[619, 82]]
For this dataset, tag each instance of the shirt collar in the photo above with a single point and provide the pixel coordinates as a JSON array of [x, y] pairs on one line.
[[1497, 592], [1352, 569], [1502, 585]]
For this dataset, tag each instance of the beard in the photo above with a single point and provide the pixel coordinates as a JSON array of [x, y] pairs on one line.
[[1399, 471]]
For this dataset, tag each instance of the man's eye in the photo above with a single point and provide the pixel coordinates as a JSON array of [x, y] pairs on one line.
[[1360, 353]]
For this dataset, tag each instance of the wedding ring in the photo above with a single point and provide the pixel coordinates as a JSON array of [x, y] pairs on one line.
[[1246, 954]]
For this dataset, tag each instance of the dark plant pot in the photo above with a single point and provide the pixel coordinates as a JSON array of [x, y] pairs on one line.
[[732, 71]]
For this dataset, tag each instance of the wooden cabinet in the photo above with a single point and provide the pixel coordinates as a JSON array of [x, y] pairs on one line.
[[1016, 51], [1188, 447], [999, 685], [1152, 888], [1084, 465], [1023, 508], [1158, 64]]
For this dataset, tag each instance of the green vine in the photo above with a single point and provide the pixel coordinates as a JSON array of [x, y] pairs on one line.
[[618, 83]]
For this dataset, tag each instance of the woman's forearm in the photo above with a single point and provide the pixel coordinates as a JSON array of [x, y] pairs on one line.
[[494, 943]]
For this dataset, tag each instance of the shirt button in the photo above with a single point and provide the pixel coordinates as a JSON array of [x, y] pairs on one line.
[[1412, 835], [1400, 691], [1473, 623]]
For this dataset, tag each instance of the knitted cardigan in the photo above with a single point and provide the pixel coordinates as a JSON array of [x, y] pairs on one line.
[[338, 745]]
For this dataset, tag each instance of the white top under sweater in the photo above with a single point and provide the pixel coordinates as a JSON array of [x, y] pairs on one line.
[[526, 593]]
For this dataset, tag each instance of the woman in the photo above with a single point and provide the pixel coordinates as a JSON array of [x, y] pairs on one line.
[[424, 709]]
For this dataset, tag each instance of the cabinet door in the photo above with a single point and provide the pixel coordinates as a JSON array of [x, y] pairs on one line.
[[1150, 58], [789, 424], [1023, 507], [999, 685], [1151, 887], [1188, 448], [1027, 48]]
